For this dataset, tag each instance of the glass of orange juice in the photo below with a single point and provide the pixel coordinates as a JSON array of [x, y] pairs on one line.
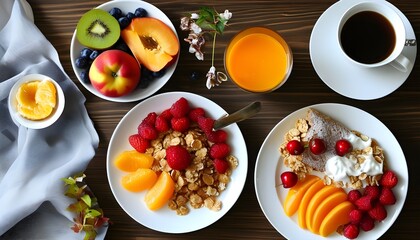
[[258, 60]]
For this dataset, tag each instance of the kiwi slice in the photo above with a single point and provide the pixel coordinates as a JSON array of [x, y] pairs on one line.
[[97, 29]]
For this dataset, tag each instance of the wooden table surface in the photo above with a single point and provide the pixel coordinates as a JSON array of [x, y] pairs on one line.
[[399, 111]]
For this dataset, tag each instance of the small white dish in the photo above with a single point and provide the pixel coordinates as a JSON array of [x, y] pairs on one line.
[[35, 124], [139, 93], [345, 77], [165, 219], [270, 165]]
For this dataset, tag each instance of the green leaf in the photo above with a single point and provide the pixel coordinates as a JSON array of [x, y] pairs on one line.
[[92, 213], [69, 181], [220, 27], [86, 198]]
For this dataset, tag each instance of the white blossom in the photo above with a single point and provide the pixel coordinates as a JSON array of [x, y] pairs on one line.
[[195, 28], [226, 15], [194, 16]]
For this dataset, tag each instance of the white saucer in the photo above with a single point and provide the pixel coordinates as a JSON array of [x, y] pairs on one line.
[[339, 73]]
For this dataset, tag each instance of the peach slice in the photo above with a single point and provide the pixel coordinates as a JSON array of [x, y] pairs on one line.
[[152, 42], [161, 192], [338, 216], [325, 207], [130, 161], [312, 190], [141, 179], [295, 194]]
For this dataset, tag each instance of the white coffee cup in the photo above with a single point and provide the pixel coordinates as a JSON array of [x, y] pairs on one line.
[[372, 34]]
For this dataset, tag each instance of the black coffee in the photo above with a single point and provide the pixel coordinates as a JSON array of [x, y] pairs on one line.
[[368, 37]]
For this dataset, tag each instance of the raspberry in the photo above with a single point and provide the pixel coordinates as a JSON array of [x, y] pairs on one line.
[[219, 150], [205, 124], [220, 165], [364, 203], [147, 131], [355, 216], [353, 195], [195, 113], [387, 197], [389, 179], [180, 124], [367, 223], [166, 114], [351, 231], [218, 136], [372, 191], [161, 124], [149, 119], [178, 157], [378, 212], [180, 108], [138, 143]]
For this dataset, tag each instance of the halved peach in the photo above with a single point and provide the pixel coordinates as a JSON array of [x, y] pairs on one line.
[[152, 42], [312, 190], [295, 194], [338, 216]]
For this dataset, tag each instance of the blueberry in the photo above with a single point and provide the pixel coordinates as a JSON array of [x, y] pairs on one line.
[[123, 22], [159, 73], [82, 62], [195, 76], [85, 52], [84, 76], [140, 12], [116, 13], [130, 16], [94, 54]]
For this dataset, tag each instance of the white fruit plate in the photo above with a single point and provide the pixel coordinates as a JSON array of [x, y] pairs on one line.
[[165, 219], [270, 165], [139, 93]]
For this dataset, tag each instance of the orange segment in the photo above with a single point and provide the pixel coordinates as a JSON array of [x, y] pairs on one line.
[[161, 192], [130, 161], [338, 216], [295, 194], [36, 99], [139, 180]]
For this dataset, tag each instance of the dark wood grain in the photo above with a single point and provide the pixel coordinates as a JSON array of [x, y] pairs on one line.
[[399, 111]]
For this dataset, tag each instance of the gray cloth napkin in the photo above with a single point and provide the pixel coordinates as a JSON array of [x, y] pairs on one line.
[[32, 162]]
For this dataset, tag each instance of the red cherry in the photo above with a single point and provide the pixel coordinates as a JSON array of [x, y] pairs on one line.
[[295, 147], [317, 146], [288, 179], [342, 147]]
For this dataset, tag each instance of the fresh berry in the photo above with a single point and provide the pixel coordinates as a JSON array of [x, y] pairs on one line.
[[220, 165], [366, 223], [372, 191], [295, 147], [94, 55], [115, 12], [389, 179], [355, 216], [140, 12], [387, 197], [166, 114], [180, 108], [288, 179], [149, 119], [351, 231], [161, 124], [85, 53], [159, 73], [138, 143], [218, 136], [342, 147], [205, 124], [353, 195], [147, 131], [124, 22], [178, 157], [317, 146], [364, 203], [180, 124], [195, 113], [130, 16], [195, 76], [378, 212], [81, 62], [219, 150], [84, 76]]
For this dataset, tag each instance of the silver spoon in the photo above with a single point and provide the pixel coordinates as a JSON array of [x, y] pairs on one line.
[[242, 114]]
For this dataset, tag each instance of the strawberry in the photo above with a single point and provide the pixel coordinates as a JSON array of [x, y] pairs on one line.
[[180, 124], [353, 195], [351, 231], [178, 157], [389, 179], [166, 114], [364, 203], [162, 124], [366, 223], [387, 197], [378, 212], [138, 143], [372, 191], [195, 113], [220, 165], [219, 150], [149, 119], [180, 108], [355, 216], [218, 136], [147, 131], [205, 124]]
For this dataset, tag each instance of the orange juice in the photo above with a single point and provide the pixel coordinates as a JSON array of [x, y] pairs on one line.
[[258, 60]]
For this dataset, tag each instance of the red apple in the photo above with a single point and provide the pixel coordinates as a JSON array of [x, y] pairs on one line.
[[114, 73]]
